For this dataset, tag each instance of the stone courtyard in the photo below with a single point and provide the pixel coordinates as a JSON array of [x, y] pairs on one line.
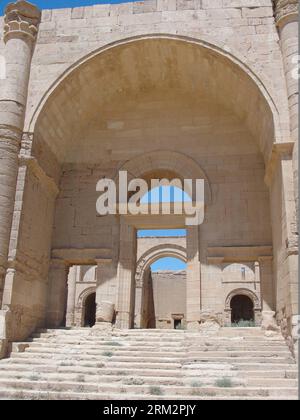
[[187, 89]]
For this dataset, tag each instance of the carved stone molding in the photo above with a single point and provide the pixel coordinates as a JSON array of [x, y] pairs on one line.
[[33, 165], [21, 20], [284, 9]]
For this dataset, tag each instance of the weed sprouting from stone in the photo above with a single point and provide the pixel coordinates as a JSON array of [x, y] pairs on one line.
[[224, 383], [156, 390]]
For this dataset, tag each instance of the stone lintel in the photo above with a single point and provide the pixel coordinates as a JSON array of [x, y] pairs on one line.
[[87, 256], [238, 254], [103, 261]]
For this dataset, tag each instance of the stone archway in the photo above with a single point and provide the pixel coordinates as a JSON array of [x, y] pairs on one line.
[[242, 309], [143, 271], [167, 164], [250, 296], [90, 310], [64, 122], [81, 310]]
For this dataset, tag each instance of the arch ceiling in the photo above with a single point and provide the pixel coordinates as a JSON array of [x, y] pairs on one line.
[[121, 77]]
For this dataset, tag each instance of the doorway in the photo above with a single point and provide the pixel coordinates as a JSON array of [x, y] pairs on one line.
[[90, 310], [242, 309]]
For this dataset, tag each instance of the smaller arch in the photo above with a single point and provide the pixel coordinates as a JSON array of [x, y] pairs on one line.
[[166, 162], [243, 292], [142, 274], [242, 309], [156, 253], [81, 304]]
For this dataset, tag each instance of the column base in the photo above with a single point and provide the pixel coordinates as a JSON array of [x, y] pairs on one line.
[[192, 325], [269, 322], [4, 343], [102, 326], [123, 321], [3, 348]]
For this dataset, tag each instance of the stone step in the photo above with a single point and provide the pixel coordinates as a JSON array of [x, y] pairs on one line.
[[98, 357], [117, 351], [91, 369], [194, 365], [48, 395], [101, 352], [134, 364], [96, 340], [53, 343], [127, 378], [162, 334], [245, 366], [64, 361], [154, 359], [146, 390], [146, 347]]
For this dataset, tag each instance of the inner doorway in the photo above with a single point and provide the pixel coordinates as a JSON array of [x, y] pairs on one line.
[[242, 309], [160, 301], [90, 310]]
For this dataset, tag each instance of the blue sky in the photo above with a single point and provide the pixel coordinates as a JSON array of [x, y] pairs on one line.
[[168, 264], [55, 4], [161, 233]]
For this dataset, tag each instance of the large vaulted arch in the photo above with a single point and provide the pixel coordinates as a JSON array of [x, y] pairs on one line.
[[124, 72]]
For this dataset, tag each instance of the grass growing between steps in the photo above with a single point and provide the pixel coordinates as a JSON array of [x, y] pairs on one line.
[[195, 391], [112, 343], [242, 324], [108, 354], [34, 378], [133, 381], [224, 383], [156, 390], [196, 384]]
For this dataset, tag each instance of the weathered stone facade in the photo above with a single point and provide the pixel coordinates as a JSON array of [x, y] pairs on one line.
[[192, 88]]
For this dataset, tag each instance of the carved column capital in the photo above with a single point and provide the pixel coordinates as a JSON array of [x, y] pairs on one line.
[[285, 9], [21, 20]]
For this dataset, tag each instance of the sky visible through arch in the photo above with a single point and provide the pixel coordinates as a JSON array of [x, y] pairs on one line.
[[56, 4], [164, 263]]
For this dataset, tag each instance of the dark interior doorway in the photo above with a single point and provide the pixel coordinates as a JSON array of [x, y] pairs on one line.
[[242, 309], [90, 310], [177, 324]]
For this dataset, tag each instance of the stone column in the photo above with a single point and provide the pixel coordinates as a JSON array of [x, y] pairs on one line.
[[193, 278], [105, 306], [72, 278], [286, 15], [57, 293], [266, 283], [126, 274], [21, 22], [139, 282], [257, 287]]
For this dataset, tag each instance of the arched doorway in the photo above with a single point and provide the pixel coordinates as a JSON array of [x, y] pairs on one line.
[[242, 309], [90, 310], [178, 113], [161, 272]]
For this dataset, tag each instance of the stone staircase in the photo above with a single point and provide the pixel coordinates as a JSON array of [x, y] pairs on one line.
[[83, 364]]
